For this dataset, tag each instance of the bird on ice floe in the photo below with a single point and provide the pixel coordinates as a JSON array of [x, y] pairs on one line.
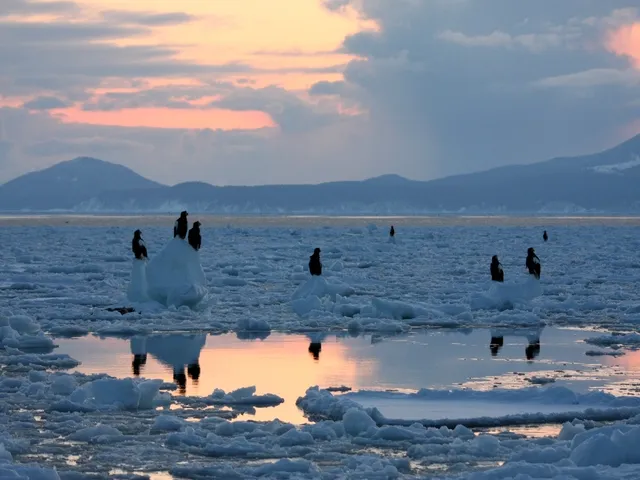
[[137, 246], [315, 267]]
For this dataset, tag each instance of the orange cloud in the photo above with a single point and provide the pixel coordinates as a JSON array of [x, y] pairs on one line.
[[626, 42], [291, 44], [168, 118]]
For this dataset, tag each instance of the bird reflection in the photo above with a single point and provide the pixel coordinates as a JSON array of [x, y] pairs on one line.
[[314, 350], [495, 345], [531, 351], [138, 362], [180, 352]]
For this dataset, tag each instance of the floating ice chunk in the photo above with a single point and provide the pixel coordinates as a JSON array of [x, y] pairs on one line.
[[31, 342], [51, 360], [27, 472], [629, 340], [295, 437], [23, 324], [4, 455], [357, 421], [253, 325], [485, 445], [69, 331], [400, 310], [125, 394], [569, 431], [604, 353], [337, 266], [138, 287], [304, 306], [318, 404], [432, 407], [9, 337], [317, 286], [167, 423], [21, 332], [90, 433], [37, 376], [507, 295], [598, 450], [229, 429], [175, 276], [283, 467], [64, 384], [541, 380], [244, 396]]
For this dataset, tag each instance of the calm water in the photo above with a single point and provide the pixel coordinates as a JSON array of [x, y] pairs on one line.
[[284, 365]]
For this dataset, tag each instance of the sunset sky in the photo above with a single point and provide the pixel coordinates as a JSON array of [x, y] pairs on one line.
[[288, 91]]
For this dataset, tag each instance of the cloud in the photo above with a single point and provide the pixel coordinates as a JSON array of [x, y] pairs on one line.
[[625, 41], [335, 5], [172, 96], [494, 39], [146, 18], [30, 33], [449, 85], [84, 61], [328, 88], [46, 103], [294, 53], [27, 7], [92, 146], [66, 58], [533, 42], [291, 113], [597, 77]]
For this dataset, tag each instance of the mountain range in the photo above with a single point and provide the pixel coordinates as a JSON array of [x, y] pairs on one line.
[[605, 182]]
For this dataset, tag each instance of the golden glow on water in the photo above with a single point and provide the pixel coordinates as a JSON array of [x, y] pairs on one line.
[[276, 365], [282, 364]]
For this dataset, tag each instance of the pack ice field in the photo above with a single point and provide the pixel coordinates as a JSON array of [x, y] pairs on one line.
[[402, 360]]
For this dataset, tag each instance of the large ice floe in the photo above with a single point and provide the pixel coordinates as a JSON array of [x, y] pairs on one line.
[[174, 277], [430, 407]]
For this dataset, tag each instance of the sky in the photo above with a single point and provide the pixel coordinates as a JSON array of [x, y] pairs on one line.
[[247, 92]]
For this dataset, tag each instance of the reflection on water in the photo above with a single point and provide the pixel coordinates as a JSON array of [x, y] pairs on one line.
[[287, 365], [178, 352], [531, 351]]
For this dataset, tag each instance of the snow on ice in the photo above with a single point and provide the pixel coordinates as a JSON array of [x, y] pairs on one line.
[[173, 277]]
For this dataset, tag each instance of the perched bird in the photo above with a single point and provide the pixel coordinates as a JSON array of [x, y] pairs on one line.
[[137, 245], [497, 274], [533, 263], [181, 226], [195, 240], [315, 267]]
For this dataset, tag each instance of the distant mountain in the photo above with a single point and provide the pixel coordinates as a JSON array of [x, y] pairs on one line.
[[606, 182], [66, 185]]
